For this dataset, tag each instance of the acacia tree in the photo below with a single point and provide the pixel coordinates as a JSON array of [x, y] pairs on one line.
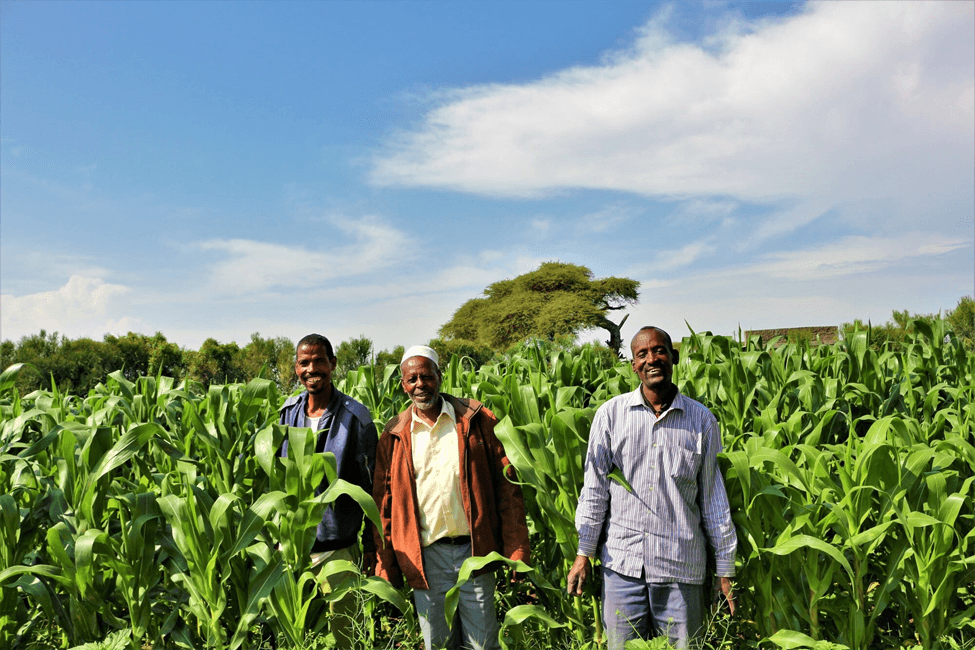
[[556, 299]]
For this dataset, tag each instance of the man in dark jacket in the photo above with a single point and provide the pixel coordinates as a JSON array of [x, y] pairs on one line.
[[443, 497], [344, 428]]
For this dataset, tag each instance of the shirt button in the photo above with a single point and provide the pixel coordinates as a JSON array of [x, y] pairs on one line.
[[651, 489]]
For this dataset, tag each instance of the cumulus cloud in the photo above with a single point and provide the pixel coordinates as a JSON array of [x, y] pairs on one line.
[[84, 306], [843, 102], [249, 266]]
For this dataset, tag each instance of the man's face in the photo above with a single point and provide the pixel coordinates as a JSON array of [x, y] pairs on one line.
[[421, 381], [314, 368], [653, 360]]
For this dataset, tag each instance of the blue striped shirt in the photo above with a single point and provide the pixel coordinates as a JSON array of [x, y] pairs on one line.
[[678, 506]]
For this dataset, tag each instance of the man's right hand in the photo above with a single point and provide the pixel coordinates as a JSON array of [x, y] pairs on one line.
[[578, 575]]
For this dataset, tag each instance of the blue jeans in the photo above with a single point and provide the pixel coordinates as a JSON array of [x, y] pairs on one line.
[[635, 608], [475, 623]]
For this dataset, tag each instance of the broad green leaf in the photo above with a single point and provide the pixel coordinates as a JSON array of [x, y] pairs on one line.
[[617, 475], [382, 589], [8, 378], [520, 613], [470, 566], [342, 487], [789, 640], [805, 541]]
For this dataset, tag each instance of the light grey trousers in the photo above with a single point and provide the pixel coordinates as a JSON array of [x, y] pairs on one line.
[[634, 608], [475, 623]]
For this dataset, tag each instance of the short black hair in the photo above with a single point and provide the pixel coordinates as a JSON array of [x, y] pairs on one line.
[[316, 339], [645, 328]]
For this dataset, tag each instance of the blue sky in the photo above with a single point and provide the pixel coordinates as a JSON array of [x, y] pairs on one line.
[[217, 169]]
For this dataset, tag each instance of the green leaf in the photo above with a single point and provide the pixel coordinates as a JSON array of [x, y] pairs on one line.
[[520, 613], [255, 517], [259, 588], [389, 593], [127, 446], [471, 565], [8, 378], [342, 487], [789, 639], [44, 570], [805, 541], [617, 475]]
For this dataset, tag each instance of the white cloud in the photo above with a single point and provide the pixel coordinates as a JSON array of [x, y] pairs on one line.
[[541, 227], [854, 277], [84, 306], [606, 219], [785, 221], [706, 209], [27, 269], [851, 256], [254, 266], [490, 255], [665, 259], [841, 103]]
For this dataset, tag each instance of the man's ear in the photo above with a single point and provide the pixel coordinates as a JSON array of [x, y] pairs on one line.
[[676, 355]]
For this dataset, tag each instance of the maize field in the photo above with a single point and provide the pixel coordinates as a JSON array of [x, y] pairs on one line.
[[154, 515]]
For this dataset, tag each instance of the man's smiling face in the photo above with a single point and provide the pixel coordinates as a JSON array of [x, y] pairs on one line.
[[314, 369], [653, 359], [421, 381]]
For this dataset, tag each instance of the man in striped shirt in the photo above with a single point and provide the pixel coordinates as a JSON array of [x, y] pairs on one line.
[[653, 538]]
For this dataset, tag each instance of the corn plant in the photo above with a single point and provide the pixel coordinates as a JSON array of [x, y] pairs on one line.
[[148, 511]]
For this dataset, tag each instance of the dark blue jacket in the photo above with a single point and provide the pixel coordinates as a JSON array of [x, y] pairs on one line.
[[346, 429]]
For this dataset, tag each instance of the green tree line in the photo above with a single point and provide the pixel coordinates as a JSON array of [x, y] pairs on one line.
[[79, 365], [900, 328]]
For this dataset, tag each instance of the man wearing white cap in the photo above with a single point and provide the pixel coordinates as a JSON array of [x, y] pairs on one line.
[[443, 491]]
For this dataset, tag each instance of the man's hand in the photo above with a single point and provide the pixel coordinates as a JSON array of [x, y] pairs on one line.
[[369, 561], [722, 587], [578, 575]]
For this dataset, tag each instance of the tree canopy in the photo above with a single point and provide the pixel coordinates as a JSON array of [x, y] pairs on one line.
[[557, 299], [961, 319]]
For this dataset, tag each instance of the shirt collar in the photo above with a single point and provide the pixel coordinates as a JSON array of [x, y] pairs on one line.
[[635, 399], [333, 401], [446, 410]]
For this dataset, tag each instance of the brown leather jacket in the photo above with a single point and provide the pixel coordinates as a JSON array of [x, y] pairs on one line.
[[494, 505]]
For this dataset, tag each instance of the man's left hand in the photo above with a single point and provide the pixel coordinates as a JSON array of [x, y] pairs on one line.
[[723, 587]]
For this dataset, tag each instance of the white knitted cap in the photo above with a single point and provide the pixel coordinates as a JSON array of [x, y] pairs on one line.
[[422, 351]]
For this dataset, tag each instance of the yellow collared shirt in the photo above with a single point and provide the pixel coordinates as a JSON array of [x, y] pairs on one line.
[[436, 459]]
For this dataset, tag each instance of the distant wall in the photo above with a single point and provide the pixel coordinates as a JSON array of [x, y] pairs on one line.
[[827, 334]]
